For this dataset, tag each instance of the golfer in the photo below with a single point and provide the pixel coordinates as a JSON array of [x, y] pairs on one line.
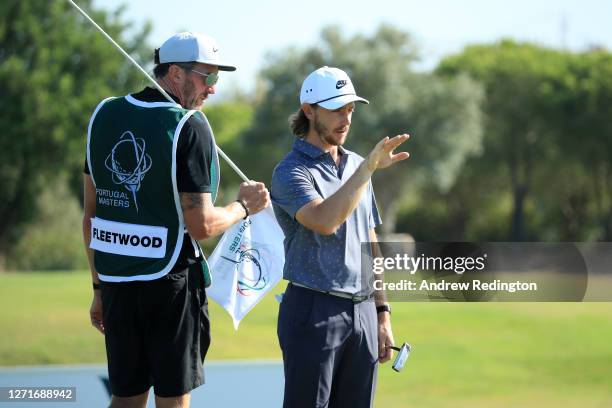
[[332, 328], [151, 179]]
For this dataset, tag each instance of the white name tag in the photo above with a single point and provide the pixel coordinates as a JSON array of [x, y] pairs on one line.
[[120, 238]]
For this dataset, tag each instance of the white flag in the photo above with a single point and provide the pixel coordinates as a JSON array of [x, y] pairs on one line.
[[247, 262]]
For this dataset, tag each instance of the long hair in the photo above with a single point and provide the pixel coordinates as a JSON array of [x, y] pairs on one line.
[[299, 123]]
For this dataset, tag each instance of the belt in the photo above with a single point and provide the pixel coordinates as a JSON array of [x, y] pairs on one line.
[[344, 295]]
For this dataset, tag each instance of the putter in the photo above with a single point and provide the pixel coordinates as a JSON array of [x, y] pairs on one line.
[[402, 356]]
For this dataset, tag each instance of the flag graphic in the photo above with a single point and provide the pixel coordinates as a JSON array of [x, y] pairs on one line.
[[247, 262]]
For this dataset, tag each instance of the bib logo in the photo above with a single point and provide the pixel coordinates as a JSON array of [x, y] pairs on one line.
[[128, 162], [253, 279], [253, 262]]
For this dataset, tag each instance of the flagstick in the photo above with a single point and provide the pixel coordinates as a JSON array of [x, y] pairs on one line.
[[163, 92], [233, 165]]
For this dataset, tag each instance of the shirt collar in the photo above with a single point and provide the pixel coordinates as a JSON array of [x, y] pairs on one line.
[[311, 150], [154, 93]]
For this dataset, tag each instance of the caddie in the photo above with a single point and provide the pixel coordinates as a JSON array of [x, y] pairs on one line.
[[152, 176]]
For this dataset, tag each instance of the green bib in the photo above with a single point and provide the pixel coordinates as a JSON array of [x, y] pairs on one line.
[[138, 230]]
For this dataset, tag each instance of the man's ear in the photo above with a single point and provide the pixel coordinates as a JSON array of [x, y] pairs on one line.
[[309, 110], [176, 74]]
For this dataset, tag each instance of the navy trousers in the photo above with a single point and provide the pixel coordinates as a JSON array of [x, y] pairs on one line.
[[330, 350]]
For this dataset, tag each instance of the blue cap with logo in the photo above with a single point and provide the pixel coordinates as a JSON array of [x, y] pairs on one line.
[[330, 88]]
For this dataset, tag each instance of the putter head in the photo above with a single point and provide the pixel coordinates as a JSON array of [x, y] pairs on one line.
[[402, 356]]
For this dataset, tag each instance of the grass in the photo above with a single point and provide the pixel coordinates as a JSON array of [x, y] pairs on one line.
[[464, 354]]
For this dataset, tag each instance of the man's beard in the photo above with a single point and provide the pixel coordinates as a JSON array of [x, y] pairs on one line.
[[191, 97], [324, 133]]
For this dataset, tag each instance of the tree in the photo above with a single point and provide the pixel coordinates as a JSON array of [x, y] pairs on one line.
[[54, 69], [547, 135], [583, 100], [228, 120], [515, 78], [442, 115]]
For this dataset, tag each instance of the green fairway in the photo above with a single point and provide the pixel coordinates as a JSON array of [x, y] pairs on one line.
[[464, 354]]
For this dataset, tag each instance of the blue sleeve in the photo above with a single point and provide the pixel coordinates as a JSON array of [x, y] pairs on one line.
[[292, 187], [374, 217]]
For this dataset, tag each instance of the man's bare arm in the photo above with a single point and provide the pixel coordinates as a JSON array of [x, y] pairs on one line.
[[89, 212], [385, 333], [325, 216], [204, 220]]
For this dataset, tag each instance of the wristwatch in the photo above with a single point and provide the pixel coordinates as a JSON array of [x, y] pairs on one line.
[[383, 308]]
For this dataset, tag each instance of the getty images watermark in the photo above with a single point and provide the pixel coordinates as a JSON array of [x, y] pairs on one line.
[[464, 271], [458, 265]]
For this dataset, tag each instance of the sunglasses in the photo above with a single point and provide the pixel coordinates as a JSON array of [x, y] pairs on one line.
[[211, 78]]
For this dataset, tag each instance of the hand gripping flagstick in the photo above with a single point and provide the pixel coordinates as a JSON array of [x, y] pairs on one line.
[[163, 92]]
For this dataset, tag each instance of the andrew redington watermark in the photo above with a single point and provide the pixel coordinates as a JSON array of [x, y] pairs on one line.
[[466, 271]]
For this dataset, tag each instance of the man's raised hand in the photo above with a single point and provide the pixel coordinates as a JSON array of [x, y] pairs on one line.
[[382, 155]]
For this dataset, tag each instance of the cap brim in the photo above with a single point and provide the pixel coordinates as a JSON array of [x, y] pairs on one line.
[[340, 101], [226, 67], [220, 65]]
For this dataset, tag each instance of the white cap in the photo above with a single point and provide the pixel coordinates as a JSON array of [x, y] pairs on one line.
[[330, 88], [187, 47]]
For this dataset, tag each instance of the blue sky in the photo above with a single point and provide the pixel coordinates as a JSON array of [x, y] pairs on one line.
[[247, 30]]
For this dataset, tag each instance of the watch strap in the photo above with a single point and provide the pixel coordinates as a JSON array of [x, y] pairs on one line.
[[383, 308]]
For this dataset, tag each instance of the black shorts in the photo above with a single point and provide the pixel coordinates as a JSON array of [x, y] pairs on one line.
[[157, 334]]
